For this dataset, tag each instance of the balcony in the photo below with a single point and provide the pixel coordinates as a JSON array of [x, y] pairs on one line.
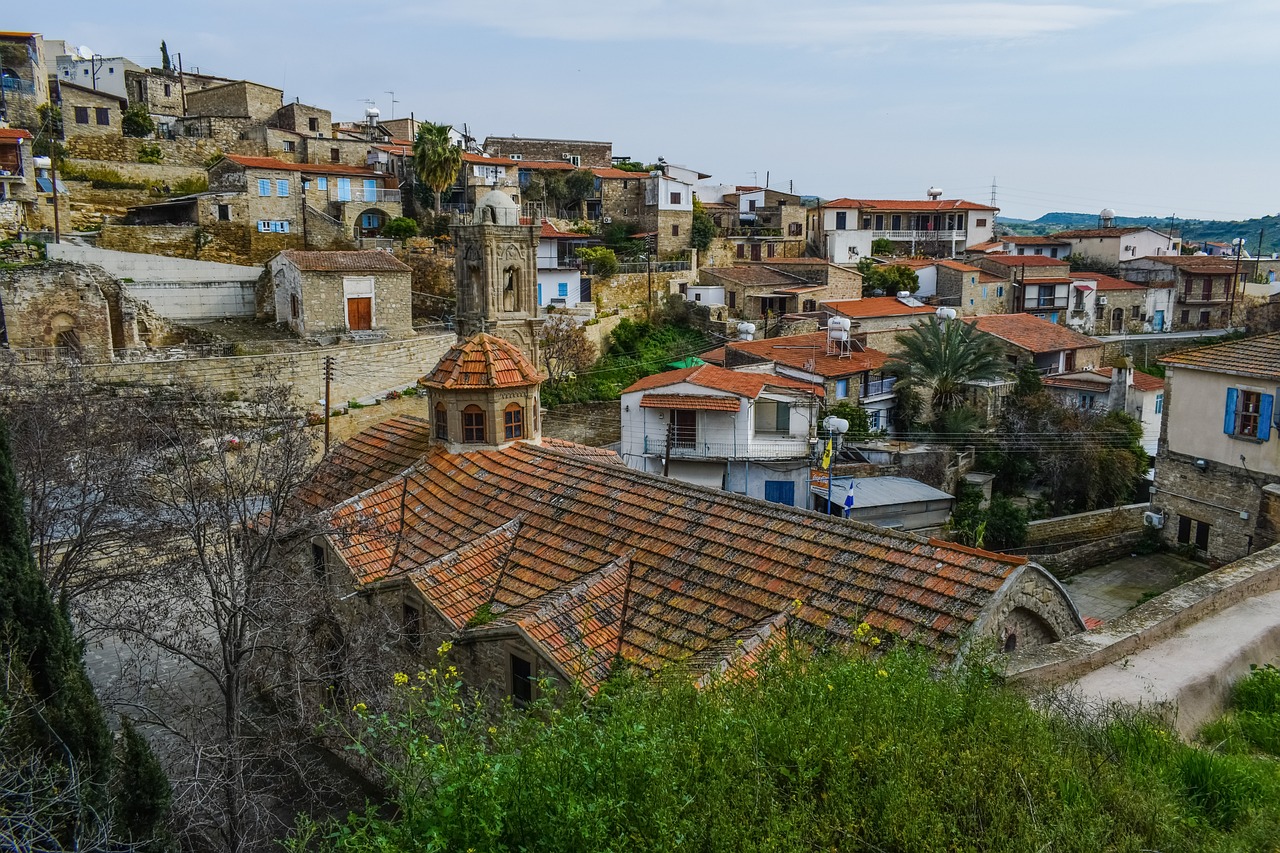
[[920, 236], [17, 85], [1200, 298], [877, 387], [795, 447], [364, 195], [1046, 303]]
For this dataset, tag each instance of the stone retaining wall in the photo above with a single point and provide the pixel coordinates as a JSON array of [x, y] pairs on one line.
[[124, 149], [633, 288], [160, 173], [1086, 526]]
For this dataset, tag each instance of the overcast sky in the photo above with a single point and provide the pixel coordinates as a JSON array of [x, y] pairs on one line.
[[1159, 107]]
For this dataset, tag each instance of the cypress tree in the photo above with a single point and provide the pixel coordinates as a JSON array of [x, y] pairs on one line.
[[141, 792]]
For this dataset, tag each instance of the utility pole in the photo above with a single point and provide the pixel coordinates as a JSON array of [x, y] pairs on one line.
[[53, 170], [95, 62], [182, 83], [328, 379], [671, 437]]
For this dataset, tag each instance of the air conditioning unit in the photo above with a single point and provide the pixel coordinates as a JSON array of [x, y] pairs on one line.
[[607, 220], [1102, 300], [1153, 519]]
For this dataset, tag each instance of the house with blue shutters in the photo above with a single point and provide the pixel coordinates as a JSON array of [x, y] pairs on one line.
[[1218, 469]]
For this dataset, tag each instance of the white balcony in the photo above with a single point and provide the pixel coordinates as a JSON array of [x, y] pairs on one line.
[[363, 195], [793, 447], [919, 236]]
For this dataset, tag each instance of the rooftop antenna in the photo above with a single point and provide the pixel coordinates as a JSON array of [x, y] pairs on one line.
[[393, 102]]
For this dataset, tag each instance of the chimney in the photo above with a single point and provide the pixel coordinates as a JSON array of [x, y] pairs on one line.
[[1121, 380]]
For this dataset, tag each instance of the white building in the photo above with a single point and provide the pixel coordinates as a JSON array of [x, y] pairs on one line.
[[101, 73], [1113, 245], [559, 273], [846, 227], [739, 430]]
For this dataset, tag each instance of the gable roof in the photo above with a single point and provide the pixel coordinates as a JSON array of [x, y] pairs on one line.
[[1032, 240], [364, 461], [594, 562], [1078, 233], [368, 260], [876, 306], [808, 353], [1026, 261], [753, 275], [1033, 334], [740, 383], [550, 232], [933, 205], [1107, 282], [1259, 356], [14, 133]]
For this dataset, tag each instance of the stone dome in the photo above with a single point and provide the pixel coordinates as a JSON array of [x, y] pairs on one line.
[[496, 208], [482, 362]]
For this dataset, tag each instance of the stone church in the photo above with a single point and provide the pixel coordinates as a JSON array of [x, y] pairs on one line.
[[497, 275]]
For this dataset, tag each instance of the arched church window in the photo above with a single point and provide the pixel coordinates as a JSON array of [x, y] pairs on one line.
[[473, 425]]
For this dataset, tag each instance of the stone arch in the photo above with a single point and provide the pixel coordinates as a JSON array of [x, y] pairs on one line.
[[512, 288], [1024, 628], [65, 335], [1117, 320]]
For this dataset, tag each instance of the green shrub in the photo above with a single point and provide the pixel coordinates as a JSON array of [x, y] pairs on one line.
[[150, 153], [400, 228], [603, 261], [1260, 691], [190, 186], [137, 122]]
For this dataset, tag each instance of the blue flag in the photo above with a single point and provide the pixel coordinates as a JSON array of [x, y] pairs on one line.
[[848, 499]]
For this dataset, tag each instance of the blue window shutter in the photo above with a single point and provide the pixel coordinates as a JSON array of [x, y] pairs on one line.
[[540, 293], [1264, 417], [282, 189], [1229, 416], [264, 187], [562, 288], [322, 183]]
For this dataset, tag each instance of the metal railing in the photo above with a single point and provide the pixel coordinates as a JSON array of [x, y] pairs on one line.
[[17, 84], [363, 195], [878, 386], [655, 266], [919, 236], [1040, 303], [755, 448]]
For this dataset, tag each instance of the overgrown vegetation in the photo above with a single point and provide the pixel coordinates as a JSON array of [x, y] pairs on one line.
[[886, 279], [703, 229], [997, 526], [1253, 724], [137, 122], [812, 753], [602, 260]]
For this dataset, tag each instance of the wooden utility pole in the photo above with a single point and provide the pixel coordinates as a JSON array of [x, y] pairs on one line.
[[671, 435], [328, 379], [53, 170]]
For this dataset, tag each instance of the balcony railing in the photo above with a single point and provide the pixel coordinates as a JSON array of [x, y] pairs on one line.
[[919, 236], [364, 195], [1201, 297], [1045, 302], [755, 448], [878, 386], [18, 85]]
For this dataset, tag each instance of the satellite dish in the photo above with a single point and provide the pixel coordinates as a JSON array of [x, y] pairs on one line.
[[84, 52]]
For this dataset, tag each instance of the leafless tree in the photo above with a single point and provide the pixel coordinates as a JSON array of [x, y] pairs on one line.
[[565, 348]]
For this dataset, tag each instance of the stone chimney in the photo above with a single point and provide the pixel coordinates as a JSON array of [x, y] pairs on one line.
[[1121, 381]]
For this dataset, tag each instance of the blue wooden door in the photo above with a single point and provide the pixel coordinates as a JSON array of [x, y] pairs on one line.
[[780, 492], [370, 189]]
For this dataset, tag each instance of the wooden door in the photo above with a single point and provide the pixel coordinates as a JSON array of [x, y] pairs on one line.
[[360, 314]]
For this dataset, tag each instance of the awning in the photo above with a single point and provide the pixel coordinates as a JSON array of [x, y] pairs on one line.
[[691, 402], [1085, 287], [792, 291]]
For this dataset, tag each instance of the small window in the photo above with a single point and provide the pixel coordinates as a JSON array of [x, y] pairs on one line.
[[999, 290], [562, 288], [335, 155], [979, 223], [1159, 403], [411, 625], [168, 90], [282, 189], [313, 124], [842, 389], [842, 220], [733, 299], [675, 230], [295, 309], [513, 422], [102, 115], [264, 187], [675, 198], [742, 250], [290, 146], [224, 213], [521, 681], [442, 422], [1137, 310], [82, 115], [322, 184], [473, 425]]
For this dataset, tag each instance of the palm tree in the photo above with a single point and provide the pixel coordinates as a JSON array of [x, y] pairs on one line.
[[436, 160], [938, 359]]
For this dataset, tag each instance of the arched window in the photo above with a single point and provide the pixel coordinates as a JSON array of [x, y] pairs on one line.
[[442, 422], [473, 425], [513, 422]]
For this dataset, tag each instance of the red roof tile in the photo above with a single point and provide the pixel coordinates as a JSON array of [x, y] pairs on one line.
[[740, 382], [1033, 334], [1106, 282], [317, 168], [618, 174], [550, 232], [1033, 240], [482, 160], [482, 361], [691, 402], [14, 133], [1259, 356], [809, 354], [938, 205], [369, 260], [370, 458], [1027, 261], [875, 306], [1078, 233]]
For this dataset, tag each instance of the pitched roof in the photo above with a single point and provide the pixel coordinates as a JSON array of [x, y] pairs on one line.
[[1215, 264], [808, 353], [482, 361], [14, 133], [1033, 334], [690, 402], [484, 160], [938, 205], [611, 174], [1032, 240], [550, 232], [957, 265], [368, 260], [989, 246], [1099, 377], [1259, 356], [1027, 261], [318, 168], [370, 458], [753, 275], [546, 164], [594, 562], [1107, 282], [875, 306], [738, 382], [1078, 233]]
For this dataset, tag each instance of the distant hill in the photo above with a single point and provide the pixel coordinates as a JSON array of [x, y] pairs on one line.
[[1192, 230]]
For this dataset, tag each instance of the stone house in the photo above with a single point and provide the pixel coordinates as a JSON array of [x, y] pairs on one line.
[[224, 112], [537, 558], [844, 229], [1035, 284], [1218, 471], [66, 311], [164, 93], [619, 196], [17, 179], [971, 290], [878, 314], [86, 112], [1106, 305], [1050, 347], [1203, 287], [1112, 245], [321, 294], [578, 153], [1050, 247], [768, 290], [668, 211], [25, 78]]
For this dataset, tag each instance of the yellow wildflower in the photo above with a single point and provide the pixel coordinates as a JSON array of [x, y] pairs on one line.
[[882, 674], [401, 678], [493, 730], [360, 708], [875, 641], [444, 648], [422, 676], [829, 687]]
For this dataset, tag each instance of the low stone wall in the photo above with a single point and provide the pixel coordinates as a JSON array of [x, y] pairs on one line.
[[160, 173], [1147, 624], [360, 371], [124, 149], [1085, 527], [632, 288], [1072, 561]]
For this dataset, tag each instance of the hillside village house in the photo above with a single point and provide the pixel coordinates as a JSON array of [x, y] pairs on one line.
[[1108, 389], [86, 112], [104, 74], [25, 77], [559, 268], [540, 559], [340, 293], [578, 153], [774, 288], [1035, 284], [708, 425], [1218, 471], [971, 290], [1049, 247], [1203, 287], [848, 370], [845, 228], [1112, 245], [1105, 305], [880, 317], [17, 179], [1050, 347]]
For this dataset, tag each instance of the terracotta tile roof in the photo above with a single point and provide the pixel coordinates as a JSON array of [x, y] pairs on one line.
[[550, 232], [989, 246], [800, 288], [482, 361], [599, 454], [691, 402], [1033, 334], [1259, 356], [1078, 233], [368, 260], [1076, 382], [910, 263], [1027, 261], [985, 277], [1028, 240], [1100, 377], [773, 262], [620, 174], [1051, 280], [368, 459], [1107, 282], [875, 306], [1141, 381], [957, 265], [809, 353], [937, 205], [740, 382], [592, 561], [1204, 264], [480, 159], [752, 275], [316, 168], [14, 133]]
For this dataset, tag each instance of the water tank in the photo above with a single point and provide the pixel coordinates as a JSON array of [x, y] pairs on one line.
[[904, 294], [945, 314], [746, 331], [841, 323], [372, 113], [1107, 217], [935, 193]]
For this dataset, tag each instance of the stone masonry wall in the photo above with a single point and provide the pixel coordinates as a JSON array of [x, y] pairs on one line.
[[360, 371], [123, 149], [1085, 526], [42, 301], [633, 288], [160, 173], [1227, 498]]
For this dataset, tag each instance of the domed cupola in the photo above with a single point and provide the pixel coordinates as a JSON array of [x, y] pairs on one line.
[[482, 395]]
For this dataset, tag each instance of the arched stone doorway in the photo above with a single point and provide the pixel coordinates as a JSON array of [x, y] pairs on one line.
[[1117, 321], [371, 222], [66, 337]]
